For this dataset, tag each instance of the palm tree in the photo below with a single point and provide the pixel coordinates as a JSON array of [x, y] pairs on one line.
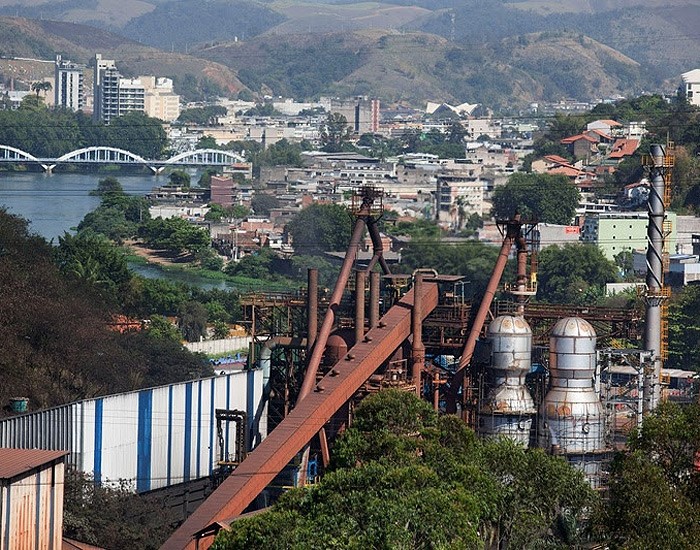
[[41, 87]]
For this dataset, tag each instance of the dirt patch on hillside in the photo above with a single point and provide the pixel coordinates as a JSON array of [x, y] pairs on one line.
[[160, 257]]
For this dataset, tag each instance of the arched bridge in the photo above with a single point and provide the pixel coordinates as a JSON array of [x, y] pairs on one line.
[[113, 155]]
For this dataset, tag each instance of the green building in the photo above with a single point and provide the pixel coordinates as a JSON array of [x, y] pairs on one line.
[[615, 232]]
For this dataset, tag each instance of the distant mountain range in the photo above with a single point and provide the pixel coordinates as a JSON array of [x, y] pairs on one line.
[[498, 52]]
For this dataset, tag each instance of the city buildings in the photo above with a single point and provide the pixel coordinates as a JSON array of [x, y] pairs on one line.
[[115, 95], [69, 91]]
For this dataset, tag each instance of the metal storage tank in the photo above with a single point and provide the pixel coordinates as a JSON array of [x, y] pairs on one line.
[[572, 414], [508, 408]]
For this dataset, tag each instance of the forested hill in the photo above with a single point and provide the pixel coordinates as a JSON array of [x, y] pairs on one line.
[[495, 52], [55, 342], [419, 66]]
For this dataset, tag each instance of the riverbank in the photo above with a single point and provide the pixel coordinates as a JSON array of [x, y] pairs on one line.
[[160, 264]]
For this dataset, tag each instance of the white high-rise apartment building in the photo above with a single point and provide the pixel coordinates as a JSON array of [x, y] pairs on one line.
[[68, 85], [691, 86]]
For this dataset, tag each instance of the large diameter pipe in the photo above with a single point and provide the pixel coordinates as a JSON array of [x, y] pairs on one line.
[[329, 318], [374, 287], [485, 305], [311, 307], [377, 248], [654, 278], [418, 351], [360, 278]]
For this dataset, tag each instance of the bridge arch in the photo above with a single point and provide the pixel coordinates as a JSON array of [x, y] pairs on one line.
[[9, 154], [101, 154], [208, 157]]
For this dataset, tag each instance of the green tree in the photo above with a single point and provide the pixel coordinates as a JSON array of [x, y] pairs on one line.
[[93, 259], [262, 203], [108, 186], [42, 87], [114, 517], [254, 266], [192, 320], [179, 178], [402, 477], [544, 197], [137, 133], [684, 329], [162, 329], [655, 487], [319, 228], [574, 274], [174, 234], [335, 133]]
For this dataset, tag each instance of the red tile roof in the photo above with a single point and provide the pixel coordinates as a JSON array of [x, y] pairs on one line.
[[568, 171], [14, 462], [578, 137], [623, 148], [609, 122], [600, 133], [556, 159]]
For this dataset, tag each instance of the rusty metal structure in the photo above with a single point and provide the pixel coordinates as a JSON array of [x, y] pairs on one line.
[[419, 333]]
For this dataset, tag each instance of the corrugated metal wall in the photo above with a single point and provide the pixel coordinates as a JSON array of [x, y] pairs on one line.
[[32, 510], [153, 437]]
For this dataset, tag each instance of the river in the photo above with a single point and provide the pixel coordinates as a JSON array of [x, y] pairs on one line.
[[55, 203]]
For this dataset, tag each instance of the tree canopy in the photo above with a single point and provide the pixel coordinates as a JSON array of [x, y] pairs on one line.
[[543, 197], [403, 477], [319, 228], [574, 274]]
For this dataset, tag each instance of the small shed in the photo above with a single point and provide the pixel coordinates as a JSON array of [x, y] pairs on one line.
[[31, 498]]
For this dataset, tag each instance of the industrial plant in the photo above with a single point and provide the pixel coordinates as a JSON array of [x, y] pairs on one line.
[[541, 375]]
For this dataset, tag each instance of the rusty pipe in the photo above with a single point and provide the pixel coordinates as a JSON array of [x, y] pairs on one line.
[[360, 278], [418, 350], [311, 307], [374, 284], [377, 249], [521, 277], [512, 232], [329, 318]]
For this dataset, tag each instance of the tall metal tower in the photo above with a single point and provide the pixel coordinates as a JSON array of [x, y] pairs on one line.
[[659, 162]]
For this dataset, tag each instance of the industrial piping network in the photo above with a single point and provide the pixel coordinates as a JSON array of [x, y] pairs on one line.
[[571, 418]]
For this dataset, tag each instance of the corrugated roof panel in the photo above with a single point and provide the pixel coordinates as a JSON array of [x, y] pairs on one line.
[[14, 462]]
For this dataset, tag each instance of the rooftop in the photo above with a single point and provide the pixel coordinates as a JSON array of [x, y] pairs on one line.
[[14, 462]]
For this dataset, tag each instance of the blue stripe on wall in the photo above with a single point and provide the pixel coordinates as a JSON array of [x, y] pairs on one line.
[[188, 432], [199, 429], [250, 405], [212, 424], [98, 441], [143, 443], [170, 433]]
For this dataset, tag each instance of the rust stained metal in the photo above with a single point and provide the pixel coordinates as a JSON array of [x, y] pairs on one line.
[[302, 423]]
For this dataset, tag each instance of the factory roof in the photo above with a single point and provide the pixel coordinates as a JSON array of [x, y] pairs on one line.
[[15, 462]]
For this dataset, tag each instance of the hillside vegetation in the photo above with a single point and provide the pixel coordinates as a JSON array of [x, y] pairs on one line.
[[413, 50], [418, 66]]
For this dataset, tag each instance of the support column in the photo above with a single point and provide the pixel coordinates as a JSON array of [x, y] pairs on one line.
[[360, 278], [418, 350], [374, 284], [311, 308]]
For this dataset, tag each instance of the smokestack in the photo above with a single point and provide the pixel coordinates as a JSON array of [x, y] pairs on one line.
[[654, 278]]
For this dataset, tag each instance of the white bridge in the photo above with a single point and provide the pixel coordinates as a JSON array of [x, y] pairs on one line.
[[112, 155]]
